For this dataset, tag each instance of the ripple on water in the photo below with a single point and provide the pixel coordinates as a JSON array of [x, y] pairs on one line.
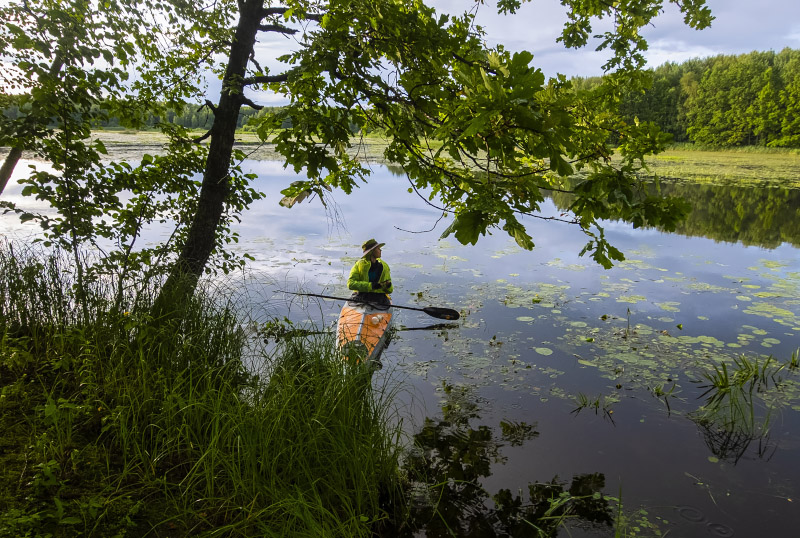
[[690, 513], [693, 515]]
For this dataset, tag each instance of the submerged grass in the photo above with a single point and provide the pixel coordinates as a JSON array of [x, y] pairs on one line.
[[740, 403], [118, 424]]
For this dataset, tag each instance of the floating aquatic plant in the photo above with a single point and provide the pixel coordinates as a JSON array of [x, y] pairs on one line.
[[740, 403]]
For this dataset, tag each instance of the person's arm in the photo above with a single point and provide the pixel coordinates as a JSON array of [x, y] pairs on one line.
[[359, 278], [386, 278]]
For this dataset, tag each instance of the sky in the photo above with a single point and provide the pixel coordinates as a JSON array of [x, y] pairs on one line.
[[740, 26]]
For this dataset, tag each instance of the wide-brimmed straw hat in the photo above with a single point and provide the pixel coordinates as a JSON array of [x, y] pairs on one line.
[[369, 246]]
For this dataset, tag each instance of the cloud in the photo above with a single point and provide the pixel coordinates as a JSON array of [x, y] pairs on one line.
[[740, 26], [665, 50], [793, 36]]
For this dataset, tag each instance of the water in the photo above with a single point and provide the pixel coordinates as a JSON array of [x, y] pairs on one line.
[[563, 373]]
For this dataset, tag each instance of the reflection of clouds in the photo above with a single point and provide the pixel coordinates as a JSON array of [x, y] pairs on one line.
[[13, 190]]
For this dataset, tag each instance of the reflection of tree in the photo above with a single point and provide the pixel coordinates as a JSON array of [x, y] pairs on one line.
[[765, 217], [759, 216], [450, 459], [395, 170]]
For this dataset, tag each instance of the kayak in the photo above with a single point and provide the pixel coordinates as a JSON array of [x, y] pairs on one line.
[[362, 331]]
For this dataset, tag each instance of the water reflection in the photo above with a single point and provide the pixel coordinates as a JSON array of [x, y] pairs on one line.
[[753, 215], [740, 405], [750, 215], [451, 457]]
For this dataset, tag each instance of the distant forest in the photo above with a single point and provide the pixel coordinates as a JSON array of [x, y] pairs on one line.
[[722, 101], [193, 116]]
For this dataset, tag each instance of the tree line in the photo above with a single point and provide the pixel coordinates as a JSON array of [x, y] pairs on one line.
[[191, 116], [722, 101], [719, 101]]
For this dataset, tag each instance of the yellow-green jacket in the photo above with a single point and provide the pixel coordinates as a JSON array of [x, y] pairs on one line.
[[359, 277]]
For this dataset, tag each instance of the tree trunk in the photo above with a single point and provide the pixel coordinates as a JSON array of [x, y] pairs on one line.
[[201, 239], [16, 151], [8, 166]]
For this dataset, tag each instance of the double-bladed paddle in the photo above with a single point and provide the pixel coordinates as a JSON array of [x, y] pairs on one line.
[[435, 311]]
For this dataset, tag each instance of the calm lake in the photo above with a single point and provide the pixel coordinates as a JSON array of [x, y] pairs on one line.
[[563, 376]]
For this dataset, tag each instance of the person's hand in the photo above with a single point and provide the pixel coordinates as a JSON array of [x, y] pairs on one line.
[[385, 285]]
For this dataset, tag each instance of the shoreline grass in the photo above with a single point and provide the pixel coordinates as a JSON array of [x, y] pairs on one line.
[[122, 425]]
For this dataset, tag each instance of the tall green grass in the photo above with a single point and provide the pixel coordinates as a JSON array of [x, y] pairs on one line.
[[119, 424]]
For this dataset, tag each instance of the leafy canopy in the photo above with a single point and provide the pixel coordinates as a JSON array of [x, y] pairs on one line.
[[480, 132]]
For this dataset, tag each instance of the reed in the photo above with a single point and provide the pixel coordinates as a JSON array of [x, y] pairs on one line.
[[121, 424], [740, 403]]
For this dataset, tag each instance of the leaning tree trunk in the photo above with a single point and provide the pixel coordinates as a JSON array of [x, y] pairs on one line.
[[8, 166], [216, 186], [15, 154]]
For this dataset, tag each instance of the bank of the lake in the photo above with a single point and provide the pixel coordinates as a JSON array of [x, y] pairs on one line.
[[118, 424], [759, 165]]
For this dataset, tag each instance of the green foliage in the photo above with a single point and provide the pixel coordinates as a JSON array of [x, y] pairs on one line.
[[66, 59], [478, 130], [722, 101], [66, 89], [125, 425]]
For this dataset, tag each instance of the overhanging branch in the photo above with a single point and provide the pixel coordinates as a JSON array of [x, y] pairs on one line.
[[272, 11], [201, 138], [266, 79], [251, 104], [277, 28]]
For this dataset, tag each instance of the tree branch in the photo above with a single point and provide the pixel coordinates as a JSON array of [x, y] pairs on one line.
[[277, 28], [201, 138], [251, 104], [266, 12], [272, 11], [266, 79], [210, 106]]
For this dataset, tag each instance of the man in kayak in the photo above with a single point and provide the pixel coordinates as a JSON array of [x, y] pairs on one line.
[[370, 278]]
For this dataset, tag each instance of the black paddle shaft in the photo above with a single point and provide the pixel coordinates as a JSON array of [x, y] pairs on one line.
[[434, 311]]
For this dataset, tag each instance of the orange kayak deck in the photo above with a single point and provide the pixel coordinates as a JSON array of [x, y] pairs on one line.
[[362, 331]]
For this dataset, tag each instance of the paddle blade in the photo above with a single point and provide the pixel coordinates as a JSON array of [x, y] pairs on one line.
[[441, 313]]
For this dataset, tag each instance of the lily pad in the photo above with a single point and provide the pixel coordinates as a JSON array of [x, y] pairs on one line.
[[632, 299]]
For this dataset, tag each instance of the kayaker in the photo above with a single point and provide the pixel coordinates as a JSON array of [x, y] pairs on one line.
[[370, 278]]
